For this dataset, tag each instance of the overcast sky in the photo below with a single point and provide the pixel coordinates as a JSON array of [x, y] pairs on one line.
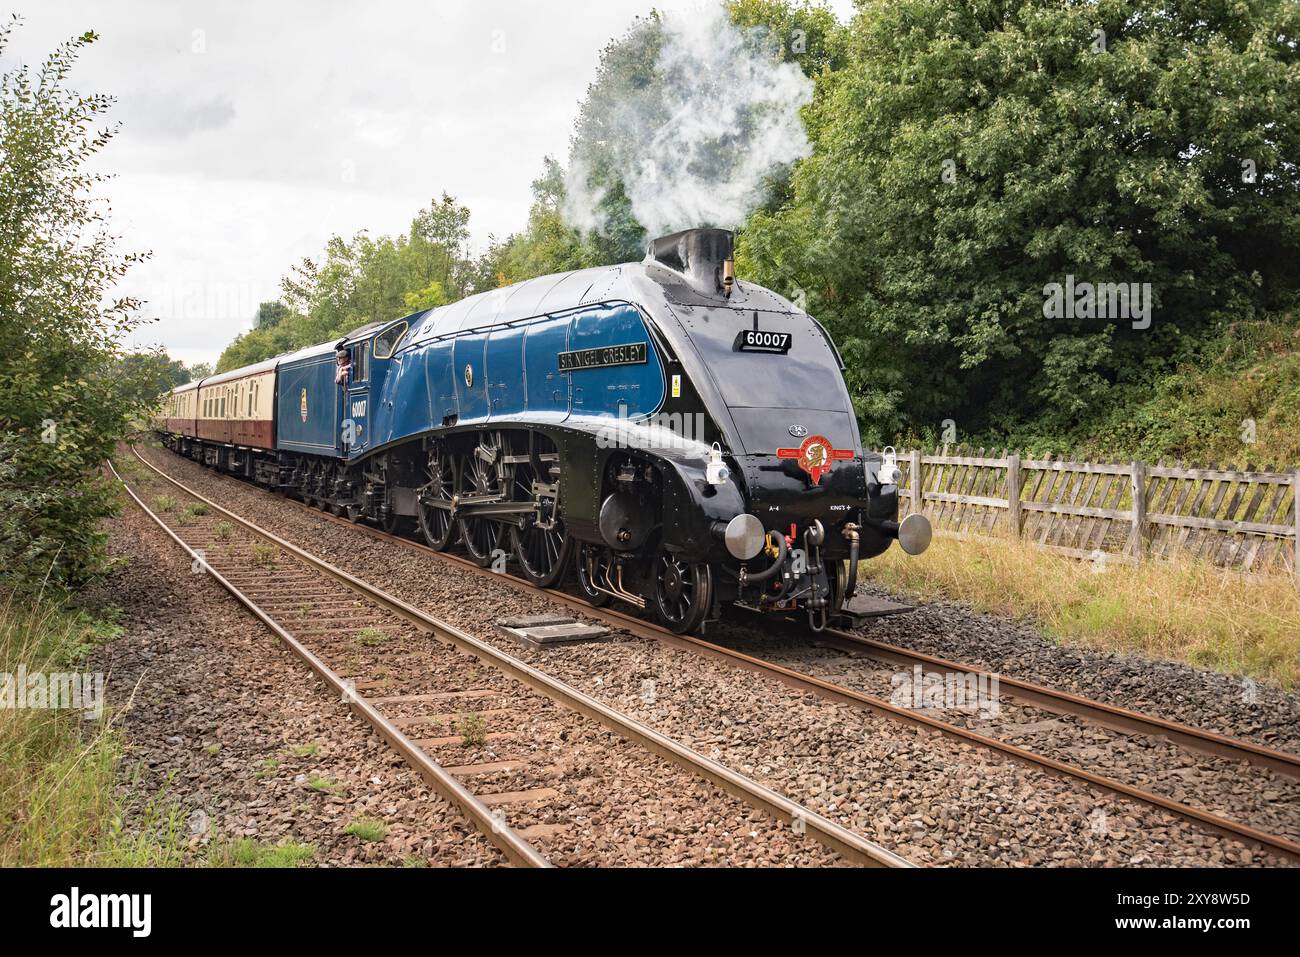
[[253, 131]]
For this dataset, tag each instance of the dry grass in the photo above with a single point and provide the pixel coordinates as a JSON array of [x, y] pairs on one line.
[[57, 771], [1188, 612], [63, 802]]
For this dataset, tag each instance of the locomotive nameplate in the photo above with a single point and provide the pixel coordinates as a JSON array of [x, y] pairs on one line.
[[758, 340], [632, 353]]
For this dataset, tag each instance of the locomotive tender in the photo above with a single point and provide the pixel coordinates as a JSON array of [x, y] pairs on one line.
[[681, 438]]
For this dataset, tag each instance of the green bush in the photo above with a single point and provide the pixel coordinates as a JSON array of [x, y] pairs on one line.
[[66, 395]]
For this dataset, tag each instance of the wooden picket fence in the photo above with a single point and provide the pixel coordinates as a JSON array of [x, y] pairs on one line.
[[1239, 519]]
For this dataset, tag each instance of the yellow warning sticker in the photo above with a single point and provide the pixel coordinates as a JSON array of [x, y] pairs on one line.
[[677, 387]]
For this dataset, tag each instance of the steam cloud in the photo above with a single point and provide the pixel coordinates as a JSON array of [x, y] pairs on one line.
[[695, 146]]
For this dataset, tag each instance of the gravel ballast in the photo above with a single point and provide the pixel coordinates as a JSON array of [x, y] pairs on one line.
[[924, 796], [603, 801]]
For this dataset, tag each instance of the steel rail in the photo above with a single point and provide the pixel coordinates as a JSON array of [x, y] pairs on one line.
[[1099, 712], [853, 847], [516, 849], [810, 683]]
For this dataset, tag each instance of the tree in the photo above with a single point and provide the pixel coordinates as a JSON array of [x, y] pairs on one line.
[[270, 314], [803, 32], [65, 399], [969, 154], [439, 241], [147, 375]]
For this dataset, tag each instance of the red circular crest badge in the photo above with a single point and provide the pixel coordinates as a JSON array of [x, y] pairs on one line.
[[815, 456]]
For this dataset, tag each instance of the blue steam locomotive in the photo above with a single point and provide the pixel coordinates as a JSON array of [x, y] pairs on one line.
[[677, 437]]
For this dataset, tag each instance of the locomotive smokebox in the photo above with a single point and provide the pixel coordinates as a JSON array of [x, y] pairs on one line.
[[705, 258]]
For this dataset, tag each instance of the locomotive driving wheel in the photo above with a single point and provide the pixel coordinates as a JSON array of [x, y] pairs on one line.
[[480, 475], [593, 566], [541, 545], [683, 592], [434, 519]]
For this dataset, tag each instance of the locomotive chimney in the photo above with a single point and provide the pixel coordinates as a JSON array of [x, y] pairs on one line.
[[705, 258]]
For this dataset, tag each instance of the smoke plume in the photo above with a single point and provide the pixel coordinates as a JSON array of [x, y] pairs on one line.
[[695, 145]]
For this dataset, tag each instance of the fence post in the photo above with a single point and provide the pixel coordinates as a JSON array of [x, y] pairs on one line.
[[918, 503], [1013, 494], [1295, 485], [1138, 485]]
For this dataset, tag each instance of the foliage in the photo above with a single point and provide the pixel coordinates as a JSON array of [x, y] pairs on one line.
[[246, 852], [144, 376], [1236, 402], [371, 637], [804, 32], [368, 829], [1123, 165], [472, 729], [264, 554], [270, 314], [66, 392]]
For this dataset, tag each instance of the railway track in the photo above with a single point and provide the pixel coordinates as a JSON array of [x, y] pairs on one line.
[[1037, 696], [305, 601]]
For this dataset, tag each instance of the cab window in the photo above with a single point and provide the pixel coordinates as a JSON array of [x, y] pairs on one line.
[[386, 342], [360, 362]]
